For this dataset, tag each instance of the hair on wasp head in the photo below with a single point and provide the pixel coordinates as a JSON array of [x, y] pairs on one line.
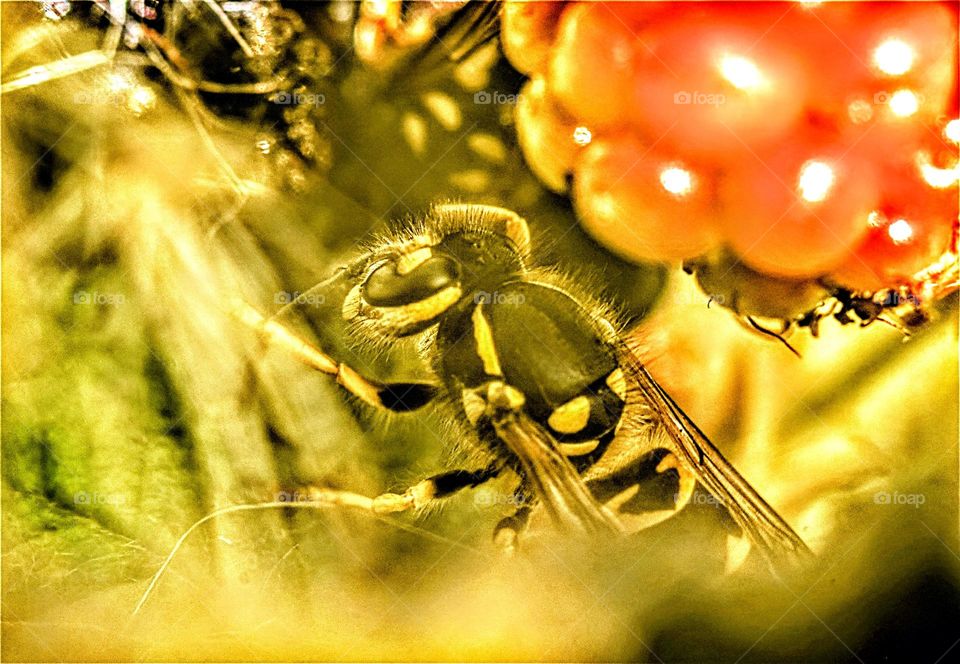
[[374, 310], [412, 277]]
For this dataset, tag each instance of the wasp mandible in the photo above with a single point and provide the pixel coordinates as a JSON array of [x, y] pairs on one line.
[[545, 381]]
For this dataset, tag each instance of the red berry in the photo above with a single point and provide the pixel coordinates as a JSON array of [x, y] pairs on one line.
[[528, 30], [639, 15], [885, 48], [549, 138], [893, 71], [798, 211], [780, 129], [641, 203], [912, 225], [719, 82], [593, 65]]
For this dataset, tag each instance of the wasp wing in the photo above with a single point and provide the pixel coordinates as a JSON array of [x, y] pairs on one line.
[[553, 478], [760, 522]]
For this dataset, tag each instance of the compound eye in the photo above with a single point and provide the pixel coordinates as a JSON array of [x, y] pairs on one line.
[[391, 286]]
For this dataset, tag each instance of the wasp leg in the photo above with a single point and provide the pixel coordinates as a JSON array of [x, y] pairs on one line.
[[507, 532], [396, 397], [433, 488]]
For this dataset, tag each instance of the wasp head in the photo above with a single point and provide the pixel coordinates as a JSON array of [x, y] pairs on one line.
[[406, 286]]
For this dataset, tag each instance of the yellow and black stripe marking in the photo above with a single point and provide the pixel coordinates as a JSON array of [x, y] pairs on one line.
[[617, 383], [474, 405], [486, 350], [427, 309], [590, 415], [571, 417], [578, 449]]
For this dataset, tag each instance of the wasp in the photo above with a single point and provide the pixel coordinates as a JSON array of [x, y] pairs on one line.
[[546, 383]]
